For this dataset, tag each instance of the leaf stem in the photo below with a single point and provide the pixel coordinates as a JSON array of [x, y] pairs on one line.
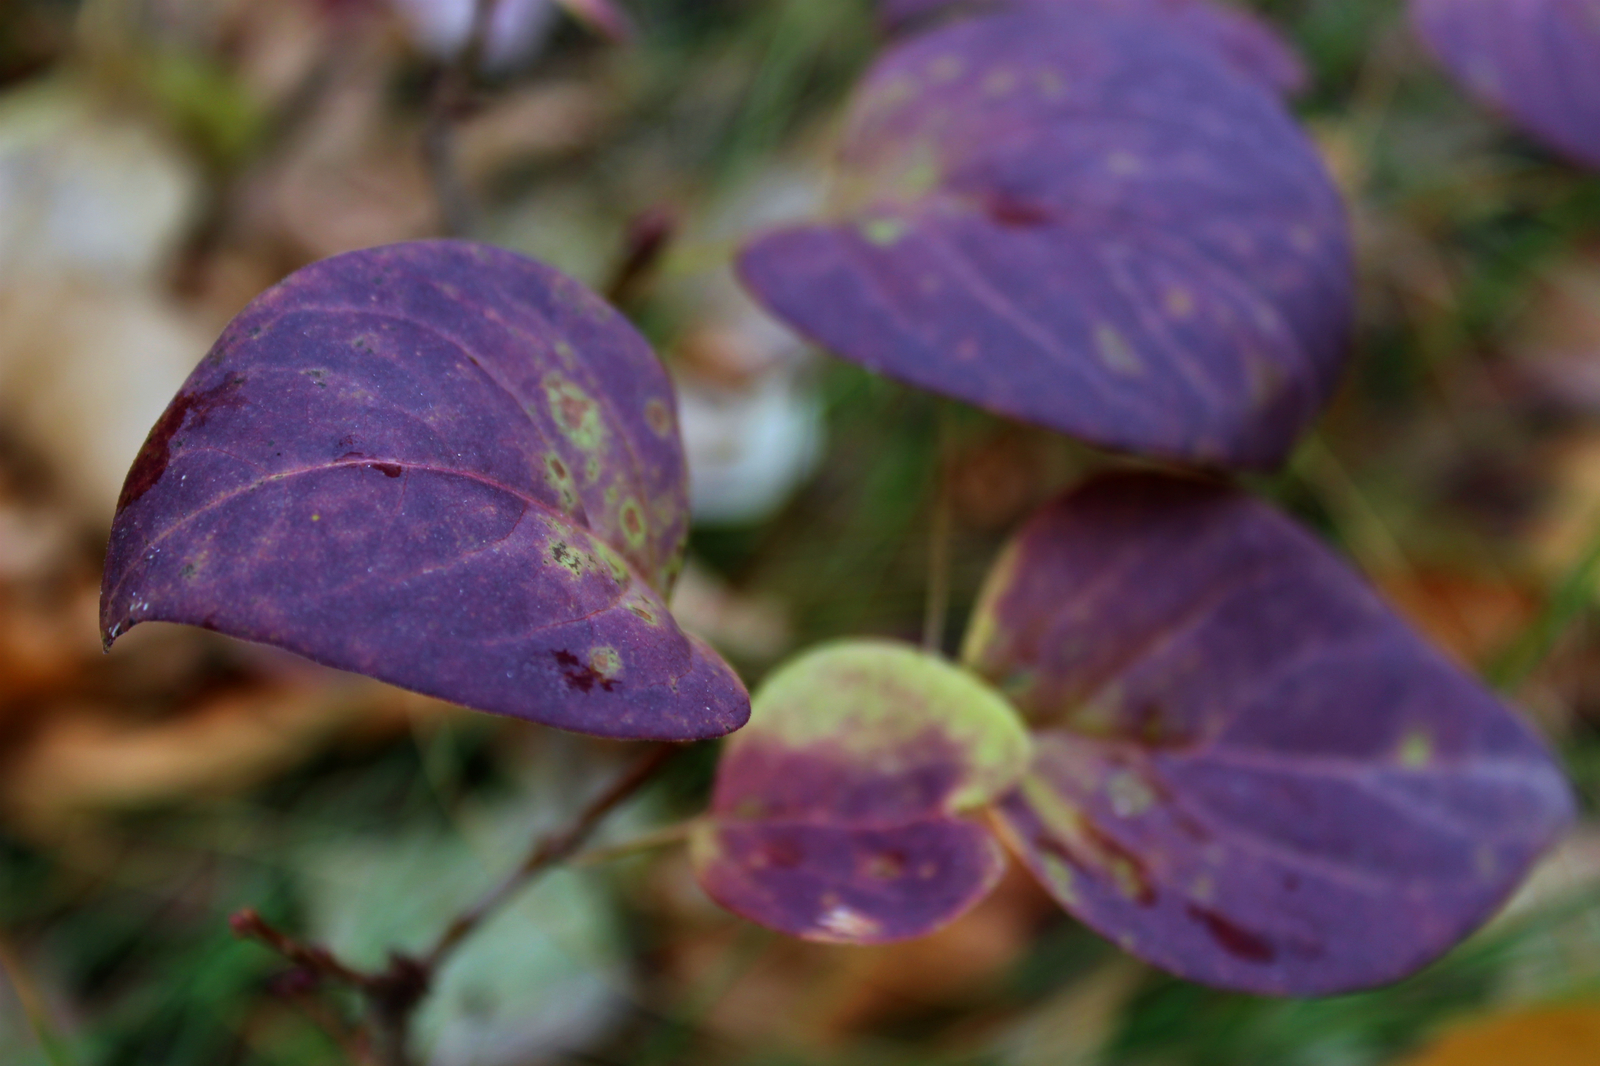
[[665, 837], [937, 608]]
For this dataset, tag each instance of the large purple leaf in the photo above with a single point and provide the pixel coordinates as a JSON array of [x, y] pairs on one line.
[[837, 811], [1248, 770], [1536, 60], [441, 465], [1073, 216], [1245, 41]]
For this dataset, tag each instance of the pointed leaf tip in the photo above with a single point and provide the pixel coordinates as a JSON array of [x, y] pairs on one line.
[[441, 465]]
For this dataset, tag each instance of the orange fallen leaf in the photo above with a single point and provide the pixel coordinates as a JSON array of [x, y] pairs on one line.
[[1551, 1036]]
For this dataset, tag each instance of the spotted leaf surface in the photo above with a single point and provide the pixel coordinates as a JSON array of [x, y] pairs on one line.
[[837, 814], [1538, 61], [441, 465], [1074, 217], [1248, 770], [1246, 42]]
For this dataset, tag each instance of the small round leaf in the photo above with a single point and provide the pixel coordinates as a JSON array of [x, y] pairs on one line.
[[1076, 216], [441, 465], [1536, 60], [837, 811], [1248, 770]]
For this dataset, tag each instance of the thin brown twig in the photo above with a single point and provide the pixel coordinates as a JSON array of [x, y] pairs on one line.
[[452, 92], [351, 1040], [550, 851], [249, 925], [393, 993]]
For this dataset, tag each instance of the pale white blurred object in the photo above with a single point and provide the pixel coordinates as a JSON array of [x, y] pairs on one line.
[[85, 371], [93, 206], [748, 447], [545, 974], [441, 27], [751, 414], [87, 192]]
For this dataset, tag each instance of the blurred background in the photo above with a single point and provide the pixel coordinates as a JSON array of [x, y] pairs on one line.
[[163, 161]]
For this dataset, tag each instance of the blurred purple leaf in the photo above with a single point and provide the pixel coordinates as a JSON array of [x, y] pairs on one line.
[[1245, 40], [1076, 218], [441, 465], [836, 814], [1249, 771], [1536, 60]]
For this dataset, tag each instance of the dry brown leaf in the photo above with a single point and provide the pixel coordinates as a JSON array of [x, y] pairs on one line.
[[90, 760], [1474, 618]]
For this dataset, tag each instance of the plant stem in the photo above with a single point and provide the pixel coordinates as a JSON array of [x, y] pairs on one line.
[[548, 852], [451, 93], [393, 993], [937, 607], [664, 837], [1568, 600]]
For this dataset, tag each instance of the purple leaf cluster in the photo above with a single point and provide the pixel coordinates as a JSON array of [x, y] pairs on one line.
[[1096, 216], [1246, 770], [441, 465]]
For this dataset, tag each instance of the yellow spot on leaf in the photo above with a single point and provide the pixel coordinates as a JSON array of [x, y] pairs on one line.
[[631, 518], [946, 68], [605, 662], [884, 231], [1000, 82], [1179, 302], [576, 413], [1124, 163], [559, 475], [1115, 351], [1051, 85], [659, 417], [1129, 793], [1416, 750]]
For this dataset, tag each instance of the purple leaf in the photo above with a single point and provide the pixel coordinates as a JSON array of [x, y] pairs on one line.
[[1536, 60], [1249, 771], [837, 812], [444, 466], [1073, 217], [1247, 42]]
